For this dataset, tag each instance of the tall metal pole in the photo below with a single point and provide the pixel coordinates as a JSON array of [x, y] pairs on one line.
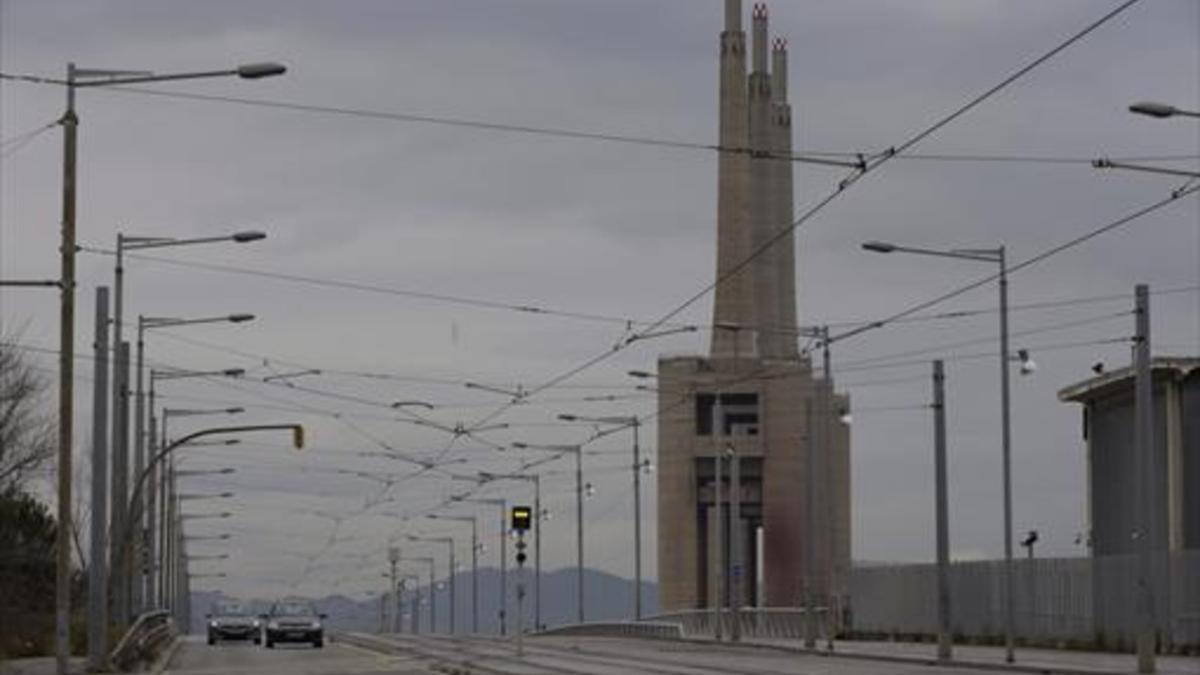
[[719, 562], [503, 567], [944, 648], [139, 463], [718, 430], [735, 544], [453, 575], [120, 454], [98, 569], [1006, 438], [637, 524], [579, 528], [393, 559], [1144, 444], [537, 551], [810, 482], [119, 570], [432, 599], [66, 383], [474, 577], [825, 464], [152, 601]]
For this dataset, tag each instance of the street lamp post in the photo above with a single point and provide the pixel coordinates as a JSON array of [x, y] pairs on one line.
[[577, 450], [996, 256], [120, 393], [474, 563], [627, 422], [76, 78], [432, 589], [143, 582], [536, 479], [165, 474], [503, 504], [135, 502], [449, 542]]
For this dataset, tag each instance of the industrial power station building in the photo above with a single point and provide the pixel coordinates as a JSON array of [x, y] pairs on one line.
[[755, 393]]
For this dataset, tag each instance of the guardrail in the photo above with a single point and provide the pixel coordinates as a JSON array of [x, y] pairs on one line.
[[143, 641], [662, 630], [754, 622]]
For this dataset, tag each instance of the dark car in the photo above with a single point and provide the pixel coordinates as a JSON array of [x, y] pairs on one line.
[[231, 621], [293, 621]]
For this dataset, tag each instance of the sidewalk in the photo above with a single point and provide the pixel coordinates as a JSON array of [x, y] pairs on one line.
[[42, 665], [1027, 660]]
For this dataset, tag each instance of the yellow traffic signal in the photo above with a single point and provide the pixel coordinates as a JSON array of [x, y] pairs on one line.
[[522, 518]]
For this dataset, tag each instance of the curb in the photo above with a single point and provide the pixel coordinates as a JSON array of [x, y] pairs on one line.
[[1042, 669]]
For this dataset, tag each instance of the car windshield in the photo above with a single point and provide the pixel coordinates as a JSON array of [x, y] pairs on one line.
[[293, 609], [230, 609]]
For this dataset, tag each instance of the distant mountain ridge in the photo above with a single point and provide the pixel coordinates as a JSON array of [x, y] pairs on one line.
[[606, 597]]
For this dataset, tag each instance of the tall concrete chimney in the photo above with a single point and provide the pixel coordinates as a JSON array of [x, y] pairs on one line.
[[765, 308], [733, 301], [783, 201]]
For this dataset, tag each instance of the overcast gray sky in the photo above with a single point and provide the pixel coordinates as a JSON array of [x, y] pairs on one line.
[[595, 228]]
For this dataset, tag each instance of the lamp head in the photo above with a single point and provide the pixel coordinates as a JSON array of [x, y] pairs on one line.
[[254, 71], [568, 418], [235, 411], [248, 236], [1153, 109], [240, 318], [879, 247], [234, 372], [1028, 366]]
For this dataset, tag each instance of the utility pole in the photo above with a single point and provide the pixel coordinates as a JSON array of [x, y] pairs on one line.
[[826, 461], [719, 563], [119, 569], [394, 558], [717, 527], [735, 548], [810, 626], [637, 523], [66, 387], [944, 648], [1144, 421], [97, 571]]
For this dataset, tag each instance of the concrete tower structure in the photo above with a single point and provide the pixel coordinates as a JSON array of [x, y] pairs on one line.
[[752, 391]]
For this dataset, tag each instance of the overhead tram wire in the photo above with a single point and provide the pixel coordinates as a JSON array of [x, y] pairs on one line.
[[508, 306], [1029, 262], [842, 188], [821, 157]]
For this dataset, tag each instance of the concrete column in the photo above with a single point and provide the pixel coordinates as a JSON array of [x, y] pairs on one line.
[[734, 295], [783, 205]]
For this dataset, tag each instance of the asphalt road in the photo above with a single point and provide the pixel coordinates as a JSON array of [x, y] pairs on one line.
[[551, 655], [195, 657]]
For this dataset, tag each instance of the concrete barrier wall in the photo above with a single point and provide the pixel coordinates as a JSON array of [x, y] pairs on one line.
[[1090, 601]]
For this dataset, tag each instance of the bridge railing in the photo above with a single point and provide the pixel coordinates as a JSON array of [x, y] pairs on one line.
[[784, 623], [144, 640]]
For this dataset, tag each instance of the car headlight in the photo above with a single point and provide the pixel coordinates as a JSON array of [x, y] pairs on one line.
[[273, 625], [212, 624], [256, 623], [316, 625]]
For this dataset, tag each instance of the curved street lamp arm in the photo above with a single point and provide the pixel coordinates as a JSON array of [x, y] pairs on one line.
[[134, 508]]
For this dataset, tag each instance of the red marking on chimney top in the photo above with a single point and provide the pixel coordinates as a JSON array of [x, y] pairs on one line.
[[760, 10], [781, 44]]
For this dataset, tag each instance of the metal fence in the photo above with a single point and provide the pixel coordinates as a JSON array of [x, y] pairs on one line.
[[1089, 601], [754, 622]]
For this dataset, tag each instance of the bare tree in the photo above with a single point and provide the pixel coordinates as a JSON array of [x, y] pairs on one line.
[[26, 430]]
